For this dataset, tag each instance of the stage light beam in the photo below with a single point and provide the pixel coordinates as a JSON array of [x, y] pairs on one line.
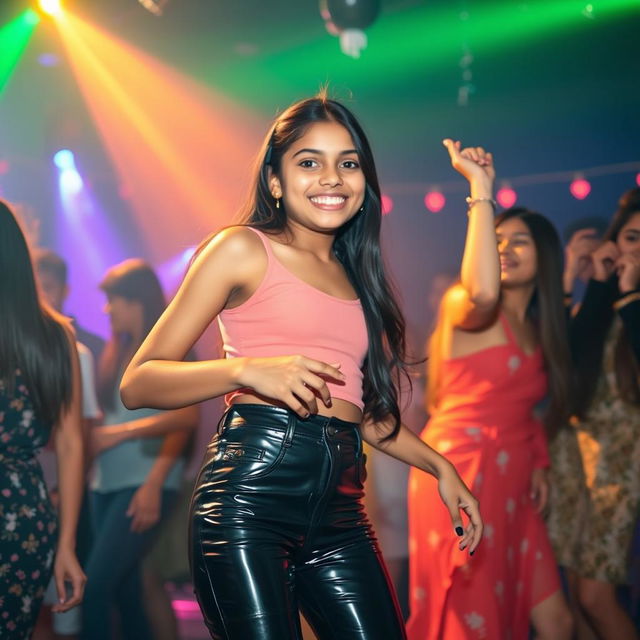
[[50, 7], [14, 38]]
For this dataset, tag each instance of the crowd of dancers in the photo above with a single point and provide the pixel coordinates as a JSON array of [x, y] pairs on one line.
[[524, 489]]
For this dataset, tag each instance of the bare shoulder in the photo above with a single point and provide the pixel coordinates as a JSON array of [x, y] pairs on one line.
[[238, 247], [459, 312]]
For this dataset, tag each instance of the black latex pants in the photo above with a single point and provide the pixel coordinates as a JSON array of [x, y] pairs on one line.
[[277, 524]]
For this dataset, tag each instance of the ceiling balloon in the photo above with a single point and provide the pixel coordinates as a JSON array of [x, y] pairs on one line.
[[348, 19]]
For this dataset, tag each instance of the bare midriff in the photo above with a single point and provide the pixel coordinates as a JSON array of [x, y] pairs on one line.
[[339, 408]]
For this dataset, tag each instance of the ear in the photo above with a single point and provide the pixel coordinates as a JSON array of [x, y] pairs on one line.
[[274, 184]]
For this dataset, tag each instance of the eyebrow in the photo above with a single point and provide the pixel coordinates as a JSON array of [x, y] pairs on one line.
[[318, 152], [521, 234]]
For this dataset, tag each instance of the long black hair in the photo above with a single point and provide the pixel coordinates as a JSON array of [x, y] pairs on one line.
[[136, 281], [546, 311], [356, 245], [627, 369], [33, 339]]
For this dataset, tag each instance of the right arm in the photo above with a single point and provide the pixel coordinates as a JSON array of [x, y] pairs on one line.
[[472, 304], [227, 271]]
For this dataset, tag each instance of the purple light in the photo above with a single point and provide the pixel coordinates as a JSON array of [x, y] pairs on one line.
[[48, 60]]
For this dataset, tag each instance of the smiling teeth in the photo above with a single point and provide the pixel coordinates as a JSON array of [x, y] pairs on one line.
[[328, 199]]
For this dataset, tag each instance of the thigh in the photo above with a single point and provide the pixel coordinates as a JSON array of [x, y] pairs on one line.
[[244, 586], [345, 594]]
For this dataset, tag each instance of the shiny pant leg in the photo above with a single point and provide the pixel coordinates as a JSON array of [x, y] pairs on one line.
[[277, 522]]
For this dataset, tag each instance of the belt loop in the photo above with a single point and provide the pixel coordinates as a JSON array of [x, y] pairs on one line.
[[223, 419], [291, 428], [359, 441]]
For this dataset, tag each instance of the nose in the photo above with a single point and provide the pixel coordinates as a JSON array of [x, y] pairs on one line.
[[330, 176], [504, 246]]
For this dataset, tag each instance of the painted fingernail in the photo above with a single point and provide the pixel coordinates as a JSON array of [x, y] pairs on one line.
[[471, 552], [459, 531]]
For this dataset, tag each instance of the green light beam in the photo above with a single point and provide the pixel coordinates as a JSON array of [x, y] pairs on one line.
[[14, 38]]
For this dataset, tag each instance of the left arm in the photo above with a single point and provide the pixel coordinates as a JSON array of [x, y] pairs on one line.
[[69, 446], [408, 448], [107, 436]]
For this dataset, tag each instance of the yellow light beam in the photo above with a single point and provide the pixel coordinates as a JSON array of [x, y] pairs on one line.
[[182, 151]]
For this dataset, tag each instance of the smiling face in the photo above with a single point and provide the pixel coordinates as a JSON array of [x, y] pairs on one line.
[[320, 182], [628, 240], [518, 256]]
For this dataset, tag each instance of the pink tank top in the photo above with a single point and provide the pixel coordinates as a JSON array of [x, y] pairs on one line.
[[287, 316]]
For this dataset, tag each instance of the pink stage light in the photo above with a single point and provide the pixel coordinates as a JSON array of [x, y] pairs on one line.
[[186, 609], [506, 197], [434, 201], [580, 188], [387, 204]]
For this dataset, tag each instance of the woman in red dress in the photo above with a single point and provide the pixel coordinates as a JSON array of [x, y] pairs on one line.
[[500, 346]]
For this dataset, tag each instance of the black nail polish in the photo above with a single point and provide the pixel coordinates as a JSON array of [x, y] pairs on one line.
[[471, 553], [460, 531]]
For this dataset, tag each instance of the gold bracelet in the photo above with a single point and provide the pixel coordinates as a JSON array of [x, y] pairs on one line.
[[471, 202], [625, 300]]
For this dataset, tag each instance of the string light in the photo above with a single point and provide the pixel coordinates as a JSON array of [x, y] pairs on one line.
[[387, 204], [506, 197], [580, 188], [434, 201]]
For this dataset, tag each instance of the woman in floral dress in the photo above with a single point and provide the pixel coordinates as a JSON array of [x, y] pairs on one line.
[[605, 336], [39, 394]]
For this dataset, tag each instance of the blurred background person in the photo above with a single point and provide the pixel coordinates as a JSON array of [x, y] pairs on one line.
[[605, 341], [138, 465], [39, 397]]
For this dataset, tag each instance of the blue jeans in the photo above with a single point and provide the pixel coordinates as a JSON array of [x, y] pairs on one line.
[[114, 567]]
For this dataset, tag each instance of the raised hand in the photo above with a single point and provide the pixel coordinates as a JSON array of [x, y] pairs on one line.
[[296, 381], [604, 260], [628, 269], [577, 256], [474, 163]]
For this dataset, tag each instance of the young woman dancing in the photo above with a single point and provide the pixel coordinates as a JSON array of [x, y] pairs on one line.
[[314, 341], [499, 344]]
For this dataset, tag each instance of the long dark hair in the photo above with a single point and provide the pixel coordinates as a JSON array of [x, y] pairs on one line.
[[33, 339], [135, 281], [546, 311], [627, 369], [356, 245]]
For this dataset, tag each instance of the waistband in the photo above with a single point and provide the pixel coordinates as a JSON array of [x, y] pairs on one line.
[[271, 416]]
